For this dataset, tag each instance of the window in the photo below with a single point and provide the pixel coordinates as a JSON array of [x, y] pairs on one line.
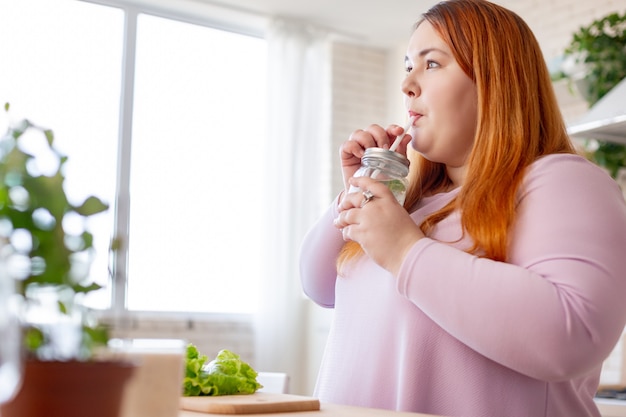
[[61, 70], [191, 180], [196, 179]]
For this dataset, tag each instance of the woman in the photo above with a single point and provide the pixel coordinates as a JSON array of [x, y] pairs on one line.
[[498, 289]]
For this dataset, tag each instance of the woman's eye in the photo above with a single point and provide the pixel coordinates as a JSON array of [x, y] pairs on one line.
[[431, 64], [407, 64]]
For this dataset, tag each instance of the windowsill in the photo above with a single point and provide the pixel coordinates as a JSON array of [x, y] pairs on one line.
[[174, 315], [611, 408], [129, 320]]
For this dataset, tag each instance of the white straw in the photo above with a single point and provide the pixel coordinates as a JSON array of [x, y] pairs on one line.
[[396, 142]]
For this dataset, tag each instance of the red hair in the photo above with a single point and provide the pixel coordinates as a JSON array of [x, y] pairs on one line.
[[518, 121]]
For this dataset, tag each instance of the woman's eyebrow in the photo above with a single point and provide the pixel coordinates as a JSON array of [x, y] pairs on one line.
[[426, 51]]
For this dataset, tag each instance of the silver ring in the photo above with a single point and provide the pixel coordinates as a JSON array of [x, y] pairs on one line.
[[367, 197]]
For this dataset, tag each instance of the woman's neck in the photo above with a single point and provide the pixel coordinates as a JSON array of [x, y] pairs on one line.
[[456, 175]]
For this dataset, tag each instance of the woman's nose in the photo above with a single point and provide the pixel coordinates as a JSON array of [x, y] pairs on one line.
[[410, 87]]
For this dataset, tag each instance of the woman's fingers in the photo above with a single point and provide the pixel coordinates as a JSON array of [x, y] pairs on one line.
[[368, 191], [375, 136]]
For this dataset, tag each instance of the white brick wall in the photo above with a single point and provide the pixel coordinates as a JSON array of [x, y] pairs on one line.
[[358, 95]]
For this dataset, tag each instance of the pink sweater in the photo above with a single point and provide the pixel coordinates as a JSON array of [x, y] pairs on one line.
[[458, 335]]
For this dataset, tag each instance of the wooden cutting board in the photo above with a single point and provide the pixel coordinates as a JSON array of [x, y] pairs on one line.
[[259, 402]]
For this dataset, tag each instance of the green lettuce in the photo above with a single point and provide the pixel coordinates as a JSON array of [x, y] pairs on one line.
[[227, 374]]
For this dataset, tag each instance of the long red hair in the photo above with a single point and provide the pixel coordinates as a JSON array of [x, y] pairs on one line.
[[519, 120]]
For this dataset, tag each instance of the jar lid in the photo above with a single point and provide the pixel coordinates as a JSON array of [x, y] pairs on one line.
[[386, 154]]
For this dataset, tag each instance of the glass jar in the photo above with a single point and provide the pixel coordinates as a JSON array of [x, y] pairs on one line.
[[388, 167]]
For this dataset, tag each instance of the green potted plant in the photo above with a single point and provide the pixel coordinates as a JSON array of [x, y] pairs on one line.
[[50, 263], [597, 62]]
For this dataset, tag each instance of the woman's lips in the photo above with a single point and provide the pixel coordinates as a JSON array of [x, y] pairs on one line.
[[415, 116]]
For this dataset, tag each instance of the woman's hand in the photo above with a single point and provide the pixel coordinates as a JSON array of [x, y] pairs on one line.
[[353, 149], [381, 225]]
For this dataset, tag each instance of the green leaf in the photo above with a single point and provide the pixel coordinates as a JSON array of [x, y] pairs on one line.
[[21, 127], [610, 155], [49, 134], [33, 339], [96, 336], [86, 288], [91, 206], [116, 244]]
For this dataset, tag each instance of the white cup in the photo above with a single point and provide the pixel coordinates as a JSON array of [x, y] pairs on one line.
[[155, 388]]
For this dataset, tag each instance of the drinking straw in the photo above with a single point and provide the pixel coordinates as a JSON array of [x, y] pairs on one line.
[[396, 142]]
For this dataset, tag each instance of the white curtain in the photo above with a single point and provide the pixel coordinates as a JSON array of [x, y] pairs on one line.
[[298, 160]]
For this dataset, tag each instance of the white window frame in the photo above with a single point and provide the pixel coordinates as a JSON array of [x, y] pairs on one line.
[[206, 14]]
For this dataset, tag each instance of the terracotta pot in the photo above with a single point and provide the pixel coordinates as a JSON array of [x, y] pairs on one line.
[[70, 389]]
